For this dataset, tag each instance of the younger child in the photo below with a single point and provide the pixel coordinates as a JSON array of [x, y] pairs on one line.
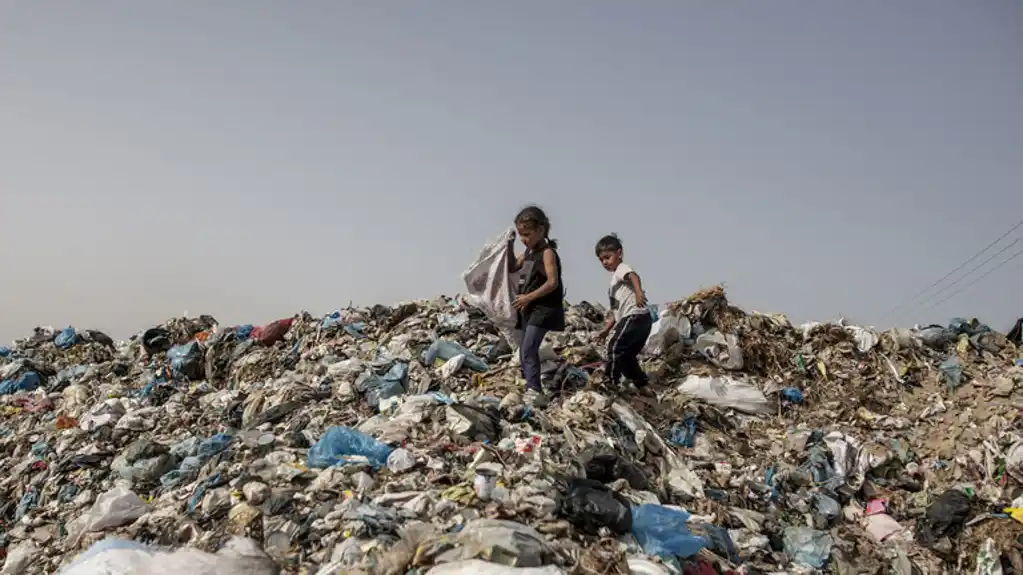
[[540, 299], [629, 322]]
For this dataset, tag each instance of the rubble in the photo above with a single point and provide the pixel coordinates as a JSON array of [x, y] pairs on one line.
[[390, 439]]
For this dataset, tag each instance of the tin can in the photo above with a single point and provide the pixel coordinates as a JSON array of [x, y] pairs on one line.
[[484, 485]]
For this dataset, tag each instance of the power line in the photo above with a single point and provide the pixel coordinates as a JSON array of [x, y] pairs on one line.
[[967, 274], [961, 266], [1015, 255]]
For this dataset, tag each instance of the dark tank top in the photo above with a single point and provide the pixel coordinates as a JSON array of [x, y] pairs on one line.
[[548, 311]]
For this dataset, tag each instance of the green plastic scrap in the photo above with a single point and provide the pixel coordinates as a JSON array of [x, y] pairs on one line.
[[951, 372]]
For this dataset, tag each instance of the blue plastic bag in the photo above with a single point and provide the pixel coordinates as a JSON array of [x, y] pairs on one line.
[[213, 445], [186, 360], [662, 532], [340, 443], [792, 395], [683, 433], [66, 338], [332, 320], [444, 350], [28, 381], [5, 351], [377, 387], [243, 332]]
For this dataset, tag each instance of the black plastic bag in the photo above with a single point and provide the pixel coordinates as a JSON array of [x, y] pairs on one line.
[[590, 505], [944, 518], [156, 340], [606, 466]]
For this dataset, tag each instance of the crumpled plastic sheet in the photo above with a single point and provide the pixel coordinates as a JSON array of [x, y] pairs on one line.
[[807, 546], [726, 392], [720, 349], [662, 532], [339, 444]]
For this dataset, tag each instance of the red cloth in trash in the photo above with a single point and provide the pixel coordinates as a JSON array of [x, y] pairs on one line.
[[272, 333]]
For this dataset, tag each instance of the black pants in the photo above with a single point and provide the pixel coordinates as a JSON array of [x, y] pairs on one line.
[[627, 340]]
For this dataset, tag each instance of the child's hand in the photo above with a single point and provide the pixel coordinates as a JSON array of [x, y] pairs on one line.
[[521, 301], [641, 299]]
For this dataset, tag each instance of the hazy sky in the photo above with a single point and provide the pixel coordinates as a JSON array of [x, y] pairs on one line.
[[249, 159]]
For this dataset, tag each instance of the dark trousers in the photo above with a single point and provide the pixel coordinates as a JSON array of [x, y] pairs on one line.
[[627, 340], [529, 356]]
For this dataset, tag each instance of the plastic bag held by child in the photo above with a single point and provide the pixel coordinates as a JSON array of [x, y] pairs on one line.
[[489, 285]]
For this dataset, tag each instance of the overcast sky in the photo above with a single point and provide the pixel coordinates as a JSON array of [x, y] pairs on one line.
[[251, 158]]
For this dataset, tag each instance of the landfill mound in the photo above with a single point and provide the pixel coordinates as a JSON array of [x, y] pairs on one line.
[[394, 439]]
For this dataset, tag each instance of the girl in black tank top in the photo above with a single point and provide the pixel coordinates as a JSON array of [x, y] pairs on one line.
[[540, 299]]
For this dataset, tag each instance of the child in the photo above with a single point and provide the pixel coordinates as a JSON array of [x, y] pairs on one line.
[[540, 299], [629, 322]]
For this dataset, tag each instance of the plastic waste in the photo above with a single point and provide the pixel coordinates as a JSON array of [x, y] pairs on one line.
[[662, 532], [881, 526], [489, 285], [970, 327], [505, 543], [119, 557], [444, 350], [935, 336], [478, 567], [452, 366], [477, 423], [590, 505], [943, 518], [339, 444], [607, 467], [156, 340], [865, 339], [28, 381], [807, 546], [272, 332], [726, 392], [951, 371], [792, 395], [186, 360], [720, 349], [116, 507], [378, 387], [683, 433], [666, 331], [989, 558], [67, 338]]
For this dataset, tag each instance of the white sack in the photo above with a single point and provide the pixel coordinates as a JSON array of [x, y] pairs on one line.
[[491, 288], [726, 392]]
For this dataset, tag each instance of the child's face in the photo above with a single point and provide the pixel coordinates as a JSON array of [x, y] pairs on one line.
[[531, 236], [610, 259]]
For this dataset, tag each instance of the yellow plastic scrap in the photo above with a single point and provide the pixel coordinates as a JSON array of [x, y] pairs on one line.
[[1014, 512], [822, 368], [963, 345], [463, 494]]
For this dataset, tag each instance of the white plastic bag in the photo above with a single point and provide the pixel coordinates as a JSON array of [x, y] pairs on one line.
[[720, 349], [478, 567], [117, 557], [726, 392], [491, 288], [865, 338], [116, 507], [666, 331]]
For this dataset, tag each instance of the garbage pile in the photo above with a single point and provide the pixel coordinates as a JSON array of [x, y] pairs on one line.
[[385, 440]]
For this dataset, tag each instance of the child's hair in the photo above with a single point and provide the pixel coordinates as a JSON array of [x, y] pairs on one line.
[[534, 217], [608, 243]]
